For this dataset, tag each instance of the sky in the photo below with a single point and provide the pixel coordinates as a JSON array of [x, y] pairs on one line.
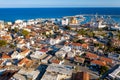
[[59, 3]]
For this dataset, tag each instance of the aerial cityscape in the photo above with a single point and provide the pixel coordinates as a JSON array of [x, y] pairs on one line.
[[59, 40]]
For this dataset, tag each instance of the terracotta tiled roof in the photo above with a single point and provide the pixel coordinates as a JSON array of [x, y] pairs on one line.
[[107, 60], [44, 50], [56, 61], [84, 45], [6, 37], [21, 41], [25, 51], [79, 59], [91, 55], [29, 27], [98, 62], [1, 61], [5, 56], [25, 61]]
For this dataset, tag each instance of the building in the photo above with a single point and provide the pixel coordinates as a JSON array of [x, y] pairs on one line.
[[98, 62], [115, 27], [1, 25], [46, 59], [57, 72], [100, 24], [66, 48], [107, 60], [25, 62], [76, 46], [73, 21], [70, 55], [21, 55], [115, 74], [91, 56], [81, 76], [55, 60], [18, 77], [38, 55], [64, 21], [30, 73], [5, 56], [79, 60], [60, 54]]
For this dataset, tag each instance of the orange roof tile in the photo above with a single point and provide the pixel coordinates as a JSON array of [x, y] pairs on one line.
[[79, 59], [91, 55], [21, 41], [5, 56], [6, 37], [84, 45], [25, 61], [44, 50], [25, 51], [98, 62], [56, 61], [107, 60], [1, 61], [29, 27]]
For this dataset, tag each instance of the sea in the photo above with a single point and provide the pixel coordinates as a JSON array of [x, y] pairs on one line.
[[12, 14]]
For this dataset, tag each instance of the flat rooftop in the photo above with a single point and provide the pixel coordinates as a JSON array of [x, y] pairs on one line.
[[60, 69], [49, 76]]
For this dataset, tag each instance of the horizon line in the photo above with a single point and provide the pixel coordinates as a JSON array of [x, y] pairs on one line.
[[68, 7]]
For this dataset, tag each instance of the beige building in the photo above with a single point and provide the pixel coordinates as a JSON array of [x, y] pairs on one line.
[[58, 72], [1, 25]]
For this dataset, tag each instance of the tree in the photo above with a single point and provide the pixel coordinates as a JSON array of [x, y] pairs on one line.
[[80, 41], [82, 32], [68, 27], [3, 43], [77, 68], [90, 34], [103, 69], [12, 46], [24, 33], [118, 35], [56, 28], [16, 29]]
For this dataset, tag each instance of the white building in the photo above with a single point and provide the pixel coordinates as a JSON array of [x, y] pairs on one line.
[[115, 74], [65, 21], [46, 59], [70, 55], [19, 21], [1, 25], [38, 55], [115, 27], [101, 25], [21, 55], [60, 54], [66, 48]]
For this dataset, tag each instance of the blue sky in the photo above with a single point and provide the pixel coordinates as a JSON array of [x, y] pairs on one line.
[[59, 3]]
